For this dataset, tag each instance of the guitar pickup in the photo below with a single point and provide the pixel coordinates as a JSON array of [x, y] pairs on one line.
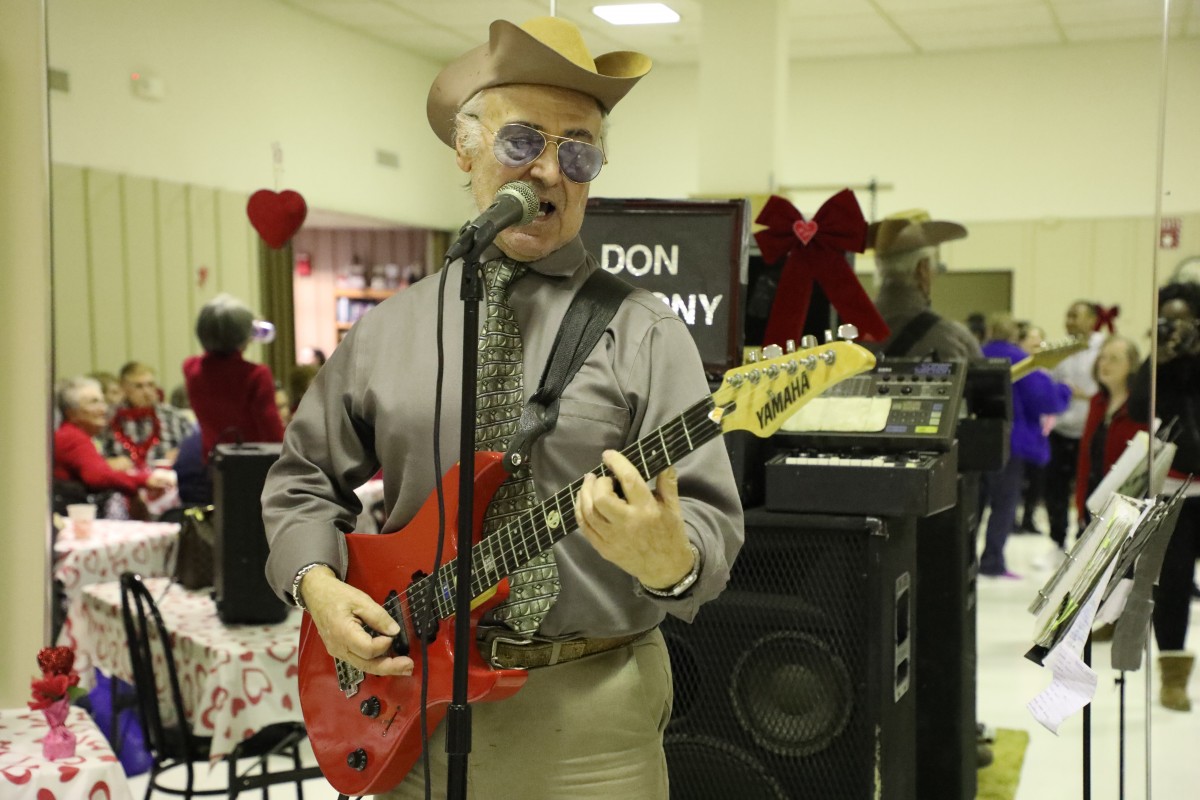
[[400, 644]]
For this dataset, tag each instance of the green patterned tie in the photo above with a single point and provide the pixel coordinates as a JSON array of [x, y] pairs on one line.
[[499, 398]]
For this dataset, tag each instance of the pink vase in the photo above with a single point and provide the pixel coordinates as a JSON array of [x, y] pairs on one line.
[[60, 741]]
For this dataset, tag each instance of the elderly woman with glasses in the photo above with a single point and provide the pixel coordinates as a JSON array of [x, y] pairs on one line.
[[527, 107]]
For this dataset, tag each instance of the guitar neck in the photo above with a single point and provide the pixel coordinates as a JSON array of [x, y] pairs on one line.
[[536, 531]]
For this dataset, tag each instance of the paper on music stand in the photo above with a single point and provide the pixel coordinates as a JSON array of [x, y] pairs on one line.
[[1115, 604], [1073, 684], [1130, 469]]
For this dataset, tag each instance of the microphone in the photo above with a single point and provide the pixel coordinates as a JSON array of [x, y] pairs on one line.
[[516, 203]]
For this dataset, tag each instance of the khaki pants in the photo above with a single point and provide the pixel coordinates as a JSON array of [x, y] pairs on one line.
[[590, 728]]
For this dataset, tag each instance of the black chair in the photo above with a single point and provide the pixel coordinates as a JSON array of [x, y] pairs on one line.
[[176, 745]]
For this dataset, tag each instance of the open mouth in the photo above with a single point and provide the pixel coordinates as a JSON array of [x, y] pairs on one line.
[[545, 209]]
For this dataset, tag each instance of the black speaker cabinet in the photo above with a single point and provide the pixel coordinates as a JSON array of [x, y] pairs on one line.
[[797, 681], [946, 653], [240, 547]]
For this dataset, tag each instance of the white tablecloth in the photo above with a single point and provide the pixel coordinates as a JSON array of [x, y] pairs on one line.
[[235, 679], [112, 547], [93, 773]]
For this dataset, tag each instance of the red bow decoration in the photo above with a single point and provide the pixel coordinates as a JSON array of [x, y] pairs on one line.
[[816, 251], [276, 216], [1106, 317]]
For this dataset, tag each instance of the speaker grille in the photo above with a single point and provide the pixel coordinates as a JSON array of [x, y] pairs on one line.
[[703, 768]]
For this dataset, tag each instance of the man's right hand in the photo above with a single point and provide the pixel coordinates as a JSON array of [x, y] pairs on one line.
[[339, 611]]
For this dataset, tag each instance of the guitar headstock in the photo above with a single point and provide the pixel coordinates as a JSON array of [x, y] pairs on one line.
[[1049, 355], [760, 395]]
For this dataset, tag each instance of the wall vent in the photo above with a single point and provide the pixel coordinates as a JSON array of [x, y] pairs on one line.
[[59, 80], [386, 158]]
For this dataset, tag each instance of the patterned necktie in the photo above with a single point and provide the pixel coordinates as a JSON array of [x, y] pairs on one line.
[[499, 398]]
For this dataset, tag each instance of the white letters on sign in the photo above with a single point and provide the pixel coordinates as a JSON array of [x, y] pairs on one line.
[[639, 260]]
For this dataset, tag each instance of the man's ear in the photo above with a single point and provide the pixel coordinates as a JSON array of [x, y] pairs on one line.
[[461, 156], [924, 273]]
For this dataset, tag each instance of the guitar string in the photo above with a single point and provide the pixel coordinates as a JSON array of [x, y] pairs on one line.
[[525, 529], [527, 523]]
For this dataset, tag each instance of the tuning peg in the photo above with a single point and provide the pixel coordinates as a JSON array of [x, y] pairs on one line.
[[808, 341], [771, 351], [829, 356], [752, 354], [828, 336], [848, 332], [790, 347]]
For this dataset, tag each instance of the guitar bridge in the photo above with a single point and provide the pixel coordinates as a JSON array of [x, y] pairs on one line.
[[349, 677]]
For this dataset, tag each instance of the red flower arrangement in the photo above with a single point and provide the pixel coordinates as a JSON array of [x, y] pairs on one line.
[[59, 679]]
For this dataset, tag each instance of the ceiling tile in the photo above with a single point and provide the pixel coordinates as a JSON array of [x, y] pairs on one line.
[[842, 48], [972, 39], [1121, 29], [1071, 12], [438, 44], [1013, 15]]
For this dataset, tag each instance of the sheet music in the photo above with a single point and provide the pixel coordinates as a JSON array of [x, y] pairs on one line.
[[1073, 684]]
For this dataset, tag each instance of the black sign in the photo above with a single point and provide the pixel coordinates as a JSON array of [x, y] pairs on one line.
[[690, 253]]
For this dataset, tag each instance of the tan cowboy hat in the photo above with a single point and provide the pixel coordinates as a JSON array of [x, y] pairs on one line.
[[547, 51], [909, 230]]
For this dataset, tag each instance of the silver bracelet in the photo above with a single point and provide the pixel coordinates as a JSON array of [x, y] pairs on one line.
[[684, 584], [307, 568]]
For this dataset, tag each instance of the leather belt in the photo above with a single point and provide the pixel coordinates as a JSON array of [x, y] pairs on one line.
[[504, 649]]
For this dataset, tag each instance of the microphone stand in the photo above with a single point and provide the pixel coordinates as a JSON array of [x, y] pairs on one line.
[[458, 715]]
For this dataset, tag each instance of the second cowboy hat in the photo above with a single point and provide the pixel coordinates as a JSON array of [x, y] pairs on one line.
[[909, 230], [547, 51]]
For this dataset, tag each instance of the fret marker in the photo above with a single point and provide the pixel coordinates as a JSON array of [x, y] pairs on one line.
[[489, 563], [553, 518]]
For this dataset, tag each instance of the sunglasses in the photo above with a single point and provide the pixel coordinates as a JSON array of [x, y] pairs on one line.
[[516, 145]]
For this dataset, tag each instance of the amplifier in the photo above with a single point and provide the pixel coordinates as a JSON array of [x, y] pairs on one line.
[[240, 547], [886, 484]]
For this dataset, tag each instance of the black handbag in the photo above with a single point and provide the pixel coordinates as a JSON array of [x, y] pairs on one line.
[[194, 559]]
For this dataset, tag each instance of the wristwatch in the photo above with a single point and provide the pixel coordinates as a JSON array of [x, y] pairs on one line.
[[685, 583], [307, 568]]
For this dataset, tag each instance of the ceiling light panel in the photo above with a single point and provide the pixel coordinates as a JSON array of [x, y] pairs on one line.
[[637, 14]]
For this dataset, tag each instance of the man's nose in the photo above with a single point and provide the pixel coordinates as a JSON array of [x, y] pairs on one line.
[[545, 167]]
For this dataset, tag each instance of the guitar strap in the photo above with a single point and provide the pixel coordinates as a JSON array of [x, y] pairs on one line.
[[586, 320], [910, 334]]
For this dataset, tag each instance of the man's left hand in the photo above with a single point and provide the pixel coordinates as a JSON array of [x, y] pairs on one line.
[[642, 533]]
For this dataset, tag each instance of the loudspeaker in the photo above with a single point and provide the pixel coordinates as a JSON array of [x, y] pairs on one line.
[[240, 546], [796, 681], [945, 647]]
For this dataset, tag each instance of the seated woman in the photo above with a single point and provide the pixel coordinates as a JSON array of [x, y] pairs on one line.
[[234, 400], [76, 458]]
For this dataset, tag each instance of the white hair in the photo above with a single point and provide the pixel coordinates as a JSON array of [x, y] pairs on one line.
[[70, 389], [900, 269]]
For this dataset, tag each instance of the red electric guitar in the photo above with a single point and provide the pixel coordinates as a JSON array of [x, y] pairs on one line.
[[366, 729]]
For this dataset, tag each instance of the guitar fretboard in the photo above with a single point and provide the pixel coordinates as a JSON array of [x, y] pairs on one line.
[[536, 531]]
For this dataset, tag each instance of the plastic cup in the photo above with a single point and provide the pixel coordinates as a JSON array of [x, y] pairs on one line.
[[82, 516]]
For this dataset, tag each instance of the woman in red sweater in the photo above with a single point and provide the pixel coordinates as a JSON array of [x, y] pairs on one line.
[[233, 399], [76, 458], [1109, 427]]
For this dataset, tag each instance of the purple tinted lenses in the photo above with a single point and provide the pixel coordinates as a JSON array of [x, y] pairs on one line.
[[517, 145]]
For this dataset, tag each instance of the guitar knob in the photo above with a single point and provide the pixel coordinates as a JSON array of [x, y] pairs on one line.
[[808, 341], [357, 760], [370, 707], [848, 332]]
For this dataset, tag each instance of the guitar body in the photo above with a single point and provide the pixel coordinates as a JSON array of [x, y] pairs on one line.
[[378, 565]]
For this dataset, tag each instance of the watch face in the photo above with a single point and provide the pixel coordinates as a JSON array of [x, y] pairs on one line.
[[1188, 271]]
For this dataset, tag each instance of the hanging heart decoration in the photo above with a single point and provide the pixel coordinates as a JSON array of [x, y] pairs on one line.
[[276, 215]]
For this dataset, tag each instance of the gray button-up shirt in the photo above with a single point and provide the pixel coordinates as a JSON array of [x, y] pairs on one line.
[[372, 405]]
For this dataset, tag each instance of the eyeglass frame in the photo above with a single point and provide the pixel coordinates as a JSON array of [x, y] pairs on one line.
[[546, 139]]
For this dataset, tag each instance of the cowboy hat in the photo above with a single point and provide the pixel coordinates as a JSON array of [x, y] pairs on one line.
[[547, 51], [909, 230]]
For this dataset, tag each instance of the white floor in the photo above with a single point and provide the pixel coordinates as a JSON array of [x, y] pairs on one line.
[[1007, 681]]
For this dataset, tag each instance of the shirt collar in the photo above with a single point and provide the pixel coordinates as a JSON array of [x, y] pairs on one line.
[[562, 263]]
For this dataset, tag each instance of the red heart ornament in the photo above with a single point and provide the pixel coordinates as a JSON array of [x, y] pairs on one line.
[[276, 216], [805, 230]]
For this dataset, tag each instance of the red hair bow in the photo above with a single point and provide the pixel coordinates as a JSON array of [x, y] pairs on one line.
[[816, 251], [1105, 317]]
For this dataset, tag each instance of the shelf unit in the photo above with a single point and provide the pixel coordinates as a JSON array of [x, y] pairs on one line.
[[350, 301]]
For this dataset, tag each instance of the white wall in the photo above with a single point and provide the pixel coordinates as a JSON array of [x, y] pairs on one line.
[[239, 75], [25, 359]]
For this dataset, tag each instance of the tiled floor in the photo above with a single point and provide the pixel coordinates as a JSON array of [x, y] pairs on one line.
[[1053, 764]]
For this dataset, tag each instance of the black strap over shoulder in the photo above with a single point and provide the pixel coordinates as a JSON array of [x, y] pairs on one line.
[[911, 333], [585, 322]]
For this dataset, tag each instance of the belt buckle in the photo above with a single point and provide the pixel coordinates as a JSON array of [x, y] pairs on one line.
[[501, 639]]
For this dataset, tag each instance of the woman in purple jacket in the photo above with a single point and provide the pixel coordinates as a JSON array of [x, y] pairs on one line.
[[1034, 395]]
